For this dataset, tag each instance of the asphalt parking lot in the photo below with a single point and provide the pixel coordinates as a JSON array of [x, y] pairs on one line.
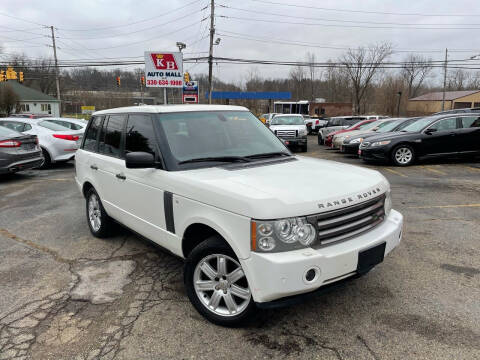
[[67, 295]]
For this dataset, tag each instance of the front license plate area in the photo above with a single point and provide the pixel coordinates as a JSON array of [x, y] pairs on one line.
[[367, 259]]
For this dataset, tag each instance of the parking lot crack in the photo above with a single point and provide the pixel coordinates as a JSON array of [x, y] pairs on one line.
[[56, 256], [364, 343]]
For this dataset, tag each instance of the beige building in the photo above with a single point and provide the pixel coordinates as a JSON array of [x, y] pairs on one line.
[[432, 102]]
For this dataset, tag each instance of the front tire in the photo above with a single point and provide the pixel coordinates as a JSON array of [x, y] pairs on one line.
[[304, 148], [99, 222], [216, 284], [403, 155]]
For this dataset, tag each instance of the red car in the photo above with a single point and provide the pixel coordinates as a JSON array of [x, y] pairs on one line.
[[357, 126]]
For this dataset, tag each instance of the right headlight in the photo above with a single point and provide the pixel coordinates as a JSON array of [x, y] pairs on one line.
[[282, 235], [380, 143], [356, 141]]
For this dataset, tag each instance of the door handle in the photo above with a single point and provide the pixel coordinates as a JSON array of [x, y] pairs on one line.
[[93, 167], [453, 134], [121, 176]]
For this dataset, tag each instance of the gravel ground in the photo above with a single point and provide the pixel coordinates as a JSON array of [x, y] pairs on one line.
[[68, 295]]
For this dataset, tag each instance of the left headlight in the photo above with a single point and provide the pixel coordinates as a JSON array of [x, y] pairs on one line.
[[356, 141], [388, 203], [380, 143], [282, 235]]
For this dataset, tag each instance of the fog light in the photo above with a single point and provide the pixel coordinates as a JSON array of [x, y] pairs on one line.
[[310, 275]]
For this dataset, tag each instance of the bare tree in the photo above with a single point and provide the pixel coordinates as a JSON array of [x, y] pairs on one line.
[[361, 65], [297, 79], [459, 80], [8, 99], [414, 71], [312, 72]]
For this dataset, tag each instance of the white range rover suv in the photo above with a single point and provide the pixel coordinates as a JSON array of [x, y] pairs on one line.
[[258, 226]]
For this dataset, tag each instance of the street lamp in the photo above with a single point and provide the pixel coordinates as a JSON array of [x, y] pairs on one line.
[[181, 46]]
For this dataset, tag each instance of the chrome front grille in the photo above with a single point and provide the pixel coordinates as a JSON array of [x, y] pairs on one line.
[[286, 133], [338, 225]]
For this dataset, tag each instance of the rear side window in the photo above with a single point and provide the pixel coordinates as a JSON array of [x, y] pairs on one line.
[[48, 124], [445, 124], [471, 121], [140, 135], [17, 126], [90, 142], [111, 136]]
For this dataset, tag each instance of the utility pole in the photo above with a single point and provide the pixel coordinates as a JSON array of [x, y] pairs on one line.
[[210, 54], [56, 65], [444, 79]]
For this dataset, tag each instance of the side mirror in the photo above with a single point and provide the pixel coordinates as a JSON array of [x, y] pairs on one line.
[[140, 160], [430, 131]]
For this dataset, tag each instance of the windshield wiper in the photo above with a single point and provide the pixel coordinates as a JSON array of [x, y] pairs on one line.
[[268, 155], [216, 158]]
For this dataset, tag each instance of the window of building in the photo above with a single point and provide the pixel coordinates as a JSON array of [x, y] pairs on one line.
[[25, 107]]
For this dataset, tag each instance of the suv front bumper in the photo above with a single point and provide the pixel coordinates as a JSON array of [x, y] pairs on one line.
[[278, 275], [298, 141]]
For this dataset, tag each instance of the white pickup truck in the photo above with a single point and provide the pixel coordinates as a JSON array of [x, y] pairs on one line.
[[256, 225]]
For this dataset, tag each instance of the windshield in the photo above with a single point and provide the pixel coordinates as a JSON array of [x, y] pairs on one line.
[[388, 126], [211, 134], [287, 120], [52, 126], [370, 125], [418, 125]]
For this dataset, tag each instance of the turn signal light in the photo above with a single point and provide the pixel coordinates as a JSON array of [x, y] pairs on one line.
[[10, 144], [66, 137]]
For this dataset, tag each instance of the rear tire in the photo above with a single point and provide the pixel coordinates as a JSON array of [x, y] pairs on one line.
[[99, 222], [403, 155], [216, 284], [47, 159], [305, 148]]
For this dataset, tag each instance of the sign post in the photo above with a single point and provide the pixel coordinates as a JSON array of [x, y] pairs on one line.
[[164, 69]]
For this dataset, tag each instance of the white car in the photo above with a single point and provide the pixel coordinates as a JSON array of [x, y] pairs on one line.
[[255, 224], [291, 129], [57, 142], [70, 123]]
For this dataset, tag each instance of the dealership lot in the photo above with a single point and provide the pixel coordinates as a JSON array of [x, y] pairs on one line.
[[68, 295]]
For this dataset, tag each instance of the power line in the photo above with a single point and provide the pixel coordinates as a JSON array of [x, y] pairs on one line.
[[322, 46], [24, 20], [136, 31], [345, 26], [363, 11], [135, 22], [339, 20]]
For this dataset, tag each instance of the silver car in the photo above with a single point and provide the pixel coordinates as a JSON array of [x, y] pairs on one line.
[[57, 142], [337, 123], [18, 151]]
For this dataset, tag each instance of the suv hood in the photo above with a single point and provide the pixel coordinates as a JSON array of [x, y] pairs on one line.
[[281, 189]]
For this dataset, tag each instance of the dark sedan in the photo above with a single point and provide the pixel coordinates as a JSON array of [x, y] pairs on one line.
[[351, 145], [18, 151], [433, 136]]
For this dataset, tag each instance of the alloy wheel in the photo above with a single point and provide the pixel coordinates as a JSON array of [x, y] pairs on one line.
[[94, 213], [403, 155], [221, 285]]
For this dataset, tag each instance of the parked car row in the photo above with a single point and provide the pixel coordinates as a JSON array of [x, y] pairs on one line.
[[403, 141], [27, 143]]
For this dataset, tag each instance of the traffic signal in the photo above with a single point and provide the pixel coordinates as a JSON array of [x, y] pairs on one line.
[[118, 81], [2, 76], [20, 76], [142, 80], [186, 77], [11, 74]]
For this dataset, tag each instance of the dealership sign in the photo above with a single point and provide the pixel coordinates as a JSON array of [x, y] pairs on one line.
[[88, 109], [163, 69], [190, 92]]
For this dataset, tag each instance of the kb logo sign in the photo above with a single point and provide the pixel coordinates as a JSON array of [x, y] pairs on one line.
[[164, 62]]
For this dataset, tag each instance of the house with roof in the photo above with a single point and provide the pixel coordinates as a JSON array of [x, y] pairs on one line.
[[33, 101], [432, 102]]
